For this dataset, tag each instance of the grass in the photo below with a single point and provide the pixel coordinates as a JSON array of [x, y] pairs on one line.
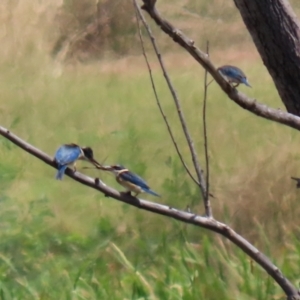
[[61, 240]]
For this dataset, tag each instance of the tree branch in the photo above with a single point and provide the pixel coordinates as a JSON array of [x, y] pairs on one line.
[[241, 99], [168, 211], [188, 137], [157, 99]]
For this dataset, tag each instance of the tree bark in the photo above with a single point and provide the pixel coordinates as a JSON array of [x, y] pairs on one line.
[[275, 30]]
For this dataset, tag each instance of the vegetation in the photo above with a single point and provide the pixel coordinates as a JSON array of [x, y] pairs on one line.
[[60, 240]]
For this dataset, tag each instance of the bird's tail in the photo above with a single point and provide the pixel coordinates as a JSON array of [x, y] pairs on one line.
[[61, 171], [246, 82], [152, 193]]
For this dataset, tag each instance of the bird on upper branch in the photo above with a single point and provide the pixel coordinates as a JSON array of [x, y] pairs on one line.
[[234, 75]]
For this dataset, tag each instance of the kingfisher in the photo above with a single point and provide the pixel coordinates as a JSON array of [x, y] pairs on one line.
[[234, 75], [131, 181], [67, 155]]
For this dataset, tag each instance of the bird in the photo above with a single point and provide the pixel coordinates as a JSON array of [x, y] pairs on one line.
[[234, 75], [67, 155], [131, 181]]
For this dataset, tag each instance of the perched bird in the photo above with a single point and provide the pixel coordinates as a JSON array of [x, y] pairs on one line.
[[68, 154], [234, 75], [131, 181]]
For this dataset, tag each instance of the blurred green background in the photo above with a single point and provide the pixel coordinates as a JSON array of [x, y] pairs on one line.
[[72, 71]]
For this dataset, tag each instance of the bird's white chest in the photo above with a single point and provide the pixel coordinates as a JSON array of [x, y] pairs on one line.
[[128, 185]]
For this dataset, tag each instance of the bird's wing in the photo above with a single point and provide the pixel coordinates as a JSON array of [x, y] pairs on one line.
[[236, 73], [66, 154], [133, 178], [232, 71]]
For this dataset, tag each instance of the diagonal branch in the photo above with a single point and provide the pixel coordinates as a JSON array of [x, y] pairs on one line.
[[188, 137], [158, 102], [202, 58], [183, 216]]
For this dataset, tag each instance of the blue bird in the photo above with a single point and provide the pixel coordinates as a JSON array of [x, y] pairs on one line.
[[68, 154], [131, 181], [234, 75]]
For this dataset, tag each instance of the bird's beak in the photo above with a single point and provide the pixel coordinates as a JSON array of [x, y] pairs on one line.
[[96, 164], [108, 168], [100, 167]]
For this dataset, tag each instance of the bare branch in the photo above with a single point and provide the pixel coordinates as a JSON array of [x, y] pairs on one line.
[[158, 101], [186, 217], [188, 137], [297, 181], [207, 205], [241, 99]]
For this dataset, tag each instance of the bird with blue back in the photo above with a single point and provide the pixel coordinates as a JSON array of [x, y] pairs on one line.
[[132, 182], [234, 75], [68, 154]]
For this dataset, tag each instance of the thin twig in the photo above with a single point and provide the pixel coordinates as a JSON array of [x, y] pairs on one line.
[[198, 169], [158, 101], [186, 217], [207, 205]]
